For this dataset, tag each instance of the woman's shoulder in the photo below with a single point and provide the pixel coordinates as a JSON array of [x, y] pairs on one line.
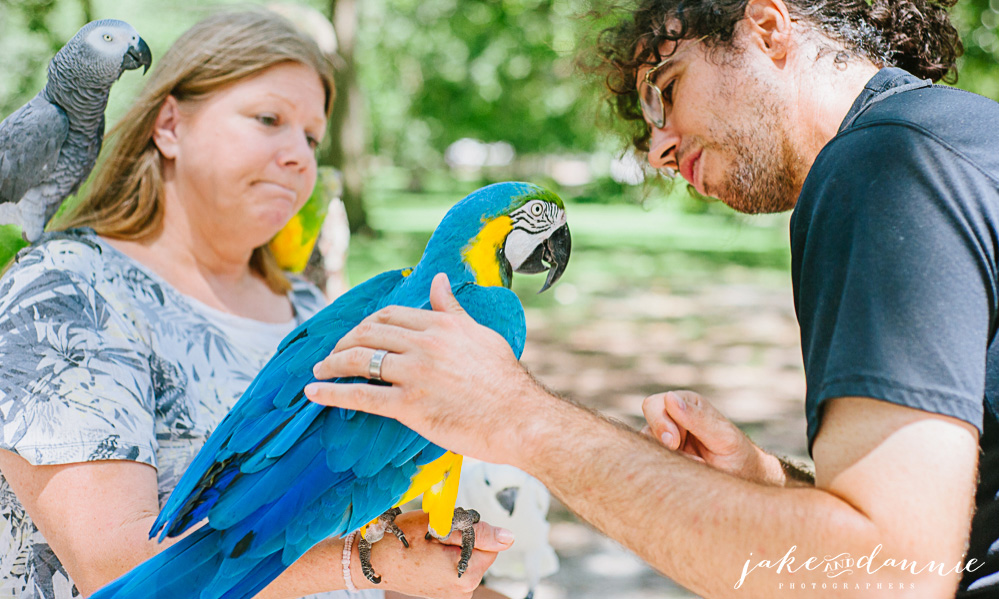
[[73, 267], [73, 250], [73, 256]]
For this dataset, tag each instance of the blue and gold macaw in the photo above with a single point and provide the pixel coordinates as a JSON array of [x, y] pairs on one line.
[[281, 473]]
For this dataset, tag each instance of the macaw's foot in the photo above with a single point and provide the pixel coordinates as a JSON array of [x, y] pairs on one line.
[[465, 521], [364, 550], [374, 533]]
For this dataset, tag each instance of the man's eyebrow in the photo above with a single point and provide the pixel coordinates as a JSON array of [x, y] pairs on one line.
[[670, 62], [663, 68]]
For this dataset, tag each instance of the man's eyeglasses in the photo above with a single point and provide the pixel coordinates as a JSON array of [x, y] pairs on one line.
[[657, 104]]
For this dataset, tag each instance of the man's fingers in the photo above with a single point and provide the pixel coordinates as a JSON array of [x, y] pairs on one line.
[[377, 335], [691, 411], [441, 297], [356, 361], [713, 430], [359, 396], [414, 319], [662, 427]]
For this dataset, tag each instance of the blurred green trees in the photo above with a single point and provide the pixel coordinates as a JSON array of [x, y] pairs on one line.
[[435, 72], [428, 72], [978, 69]]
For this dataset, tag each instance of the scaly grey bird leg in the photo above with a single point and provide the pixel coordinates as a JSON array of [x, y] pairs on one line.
[[373, 534], [465, 521], [364, 550]]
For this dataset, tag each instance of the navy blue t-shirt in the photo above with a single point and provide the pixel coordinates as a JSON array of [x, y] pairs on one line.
[[895, 265]]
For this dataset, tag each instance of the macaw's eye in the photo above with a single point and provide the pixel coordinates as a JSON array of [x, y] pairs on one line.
[[107, 37], [537, 209]]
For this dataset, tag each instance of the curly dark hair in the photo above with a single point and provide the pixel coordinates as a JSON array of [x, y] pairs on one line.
[[915, 35]]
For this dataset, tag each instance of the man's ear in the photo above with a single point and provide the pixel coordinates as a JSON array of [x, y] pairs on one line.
[[165, 128], [769, 25]]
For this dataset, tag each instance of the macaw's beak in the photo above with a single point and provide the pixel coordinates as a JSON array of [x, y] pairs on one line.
[[507, 498], [137, 56], [551, 255]]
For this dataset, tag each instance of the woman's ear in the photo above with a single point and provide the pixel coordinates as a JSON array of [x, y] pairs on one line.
[[165, 128]]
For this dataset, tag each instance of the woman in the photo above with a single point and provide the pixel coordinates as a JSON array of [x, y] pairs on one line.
[[125, 338]]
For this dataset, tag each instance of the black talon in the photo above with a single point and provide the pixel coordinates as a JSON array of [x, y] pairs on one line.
[[399, 535]]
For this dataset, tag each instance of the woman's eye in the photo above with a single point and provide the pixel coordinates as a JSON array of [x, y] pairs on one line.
[[268, 120], [313, 142]]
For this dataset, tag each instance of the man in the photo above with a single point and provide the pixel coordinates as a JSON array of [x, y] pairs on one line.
[[772, 105]]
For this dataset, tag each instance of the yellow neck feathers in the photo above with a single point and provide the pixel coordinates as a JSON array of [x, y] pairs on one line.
[[481, 253]]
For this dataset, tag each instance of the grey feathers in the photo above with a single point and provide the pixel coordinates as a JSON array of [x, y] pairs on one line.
[[30, 138], [49, 146]]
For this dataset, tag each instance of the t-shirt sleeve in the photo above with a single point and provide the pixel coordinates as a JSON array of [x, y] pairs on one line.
[[893, 245], [75, 383]]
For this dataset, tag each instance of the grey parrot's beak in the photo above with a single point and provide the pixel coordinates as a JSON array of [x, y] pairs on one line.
[[507, 498], [551, 255], [137, 56]]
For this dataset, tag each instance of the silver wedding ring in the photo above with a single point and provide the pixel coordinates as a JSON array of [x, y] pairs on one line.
[[375, 365]]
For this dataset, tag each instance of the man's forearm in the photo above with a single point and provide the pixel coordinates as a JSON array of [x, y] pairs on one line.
[[695, 524]]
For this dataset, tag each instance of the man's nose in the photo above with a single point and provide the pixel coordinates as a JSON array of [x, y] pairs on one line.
[[662, 147]]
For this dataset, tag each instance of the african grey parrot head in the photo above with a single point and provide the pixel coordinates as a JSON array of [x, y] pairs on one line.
[[98, 54]]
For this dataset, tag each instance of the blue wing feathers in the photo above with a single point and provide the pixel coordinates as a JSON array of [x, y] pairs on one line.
[[290, 434], [391, 437], [409, 452], [348, 310], [194, 556], [251, 491], [430, 453], [280, 473]]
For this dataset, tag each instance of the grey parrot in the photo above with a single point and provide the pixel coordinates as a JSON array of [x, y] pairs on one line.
[[49, 146]]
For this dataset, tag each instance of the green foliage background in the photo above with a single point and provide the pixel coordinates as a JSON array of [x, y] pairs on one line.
[[434, 71], [490, 69]]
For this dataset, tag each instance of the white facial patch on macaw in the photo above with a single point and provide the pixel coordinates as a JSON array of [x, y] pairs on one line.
[[533, 223]]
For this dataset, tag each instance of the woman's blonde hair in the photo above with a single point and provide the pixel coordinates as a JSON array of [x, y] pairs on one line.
[[126, 199]]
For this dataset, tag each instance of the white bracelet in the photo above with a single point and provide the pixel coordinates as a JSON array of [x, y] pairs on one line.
[[348, 541]]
